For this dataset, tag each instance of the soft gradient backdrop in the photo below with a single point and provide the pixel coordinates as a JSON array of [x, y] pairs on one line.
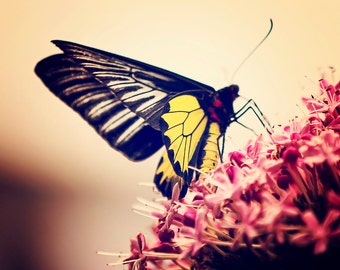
[[64, 193]]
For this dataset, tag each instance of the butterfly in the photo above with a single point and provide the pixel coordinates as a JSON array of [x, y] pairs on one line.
[[139, 108]]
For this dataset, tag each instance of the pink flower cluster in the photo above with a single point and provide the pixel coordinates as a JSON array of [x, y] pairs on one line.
[[277, 194]]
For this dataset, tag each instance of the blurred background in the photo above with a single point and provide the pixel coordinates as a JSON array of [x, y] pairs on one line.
[[64, 193]]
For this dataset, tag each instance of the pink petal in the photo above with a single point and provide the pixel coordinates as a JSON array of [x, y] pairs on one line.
[[310, 219]]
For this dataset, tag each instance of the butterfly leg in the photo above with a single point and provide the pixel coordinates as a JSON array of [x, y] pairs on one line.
[[251, 105]]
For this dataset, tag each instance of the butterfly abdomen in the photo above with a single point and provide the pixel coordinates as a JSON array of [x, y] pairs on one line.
[[209, 152]]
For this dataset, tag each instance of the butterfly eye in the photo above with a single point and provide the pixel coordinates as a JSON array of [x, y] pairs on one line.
[[234, 89]]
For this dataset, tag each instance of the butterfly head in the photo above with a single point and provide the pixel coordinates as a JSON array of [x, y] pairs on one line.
[[229, 93]]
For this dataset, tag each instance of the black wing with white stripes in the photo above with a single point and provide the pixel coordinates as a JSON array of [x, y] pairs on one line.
[[121, 98]]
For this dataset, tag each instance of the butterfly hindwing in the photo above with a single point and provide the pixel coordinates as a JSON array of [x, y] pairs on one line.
[[184, 123], [166, 178]]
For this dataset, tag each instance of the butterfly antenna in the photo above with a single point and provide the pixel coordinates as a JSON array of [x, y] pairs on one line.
[[258, 45]]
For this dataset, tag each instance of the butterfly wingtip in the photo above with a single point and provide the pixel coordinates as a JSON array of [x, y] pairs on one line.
[[59, 43]]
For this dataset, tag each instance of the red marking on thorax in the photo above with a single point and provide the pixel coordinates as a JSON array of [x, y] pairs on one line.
[[213, 114], [217, 103]]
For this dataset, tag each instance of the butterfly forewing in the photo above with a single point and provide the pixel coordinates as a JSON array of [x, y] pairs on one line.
[[142, 87], [120, 97], [98, 105]]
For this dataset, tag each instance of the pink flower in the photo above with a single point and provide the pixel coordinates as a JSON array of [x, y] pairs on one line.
[[246, 226], [327, 101], [320, 234], [319, 149], [291, 155], [274, 209], [137, 260], [197, 234], [225, 188], [289, 133]]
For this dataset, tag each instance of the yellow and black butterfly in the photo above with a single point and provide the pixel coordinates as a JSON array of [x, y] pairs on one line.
[[137, 108]]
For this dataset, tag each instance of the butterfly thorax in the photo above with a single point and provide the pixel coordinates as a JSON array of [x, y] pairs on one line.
[[221, 108]]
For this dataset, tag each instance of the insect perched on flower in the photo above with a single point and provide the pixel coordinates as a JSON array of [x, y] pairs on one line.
[[137, 108], [257, 210]]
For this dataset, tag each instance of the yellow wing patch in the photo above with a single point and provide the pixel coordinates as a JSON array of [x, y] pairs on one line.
[[166, 178], [185, 123]]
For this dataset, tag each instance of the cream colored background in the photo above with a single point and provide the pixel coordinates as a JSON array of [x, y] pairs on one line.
[[65, 192]]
